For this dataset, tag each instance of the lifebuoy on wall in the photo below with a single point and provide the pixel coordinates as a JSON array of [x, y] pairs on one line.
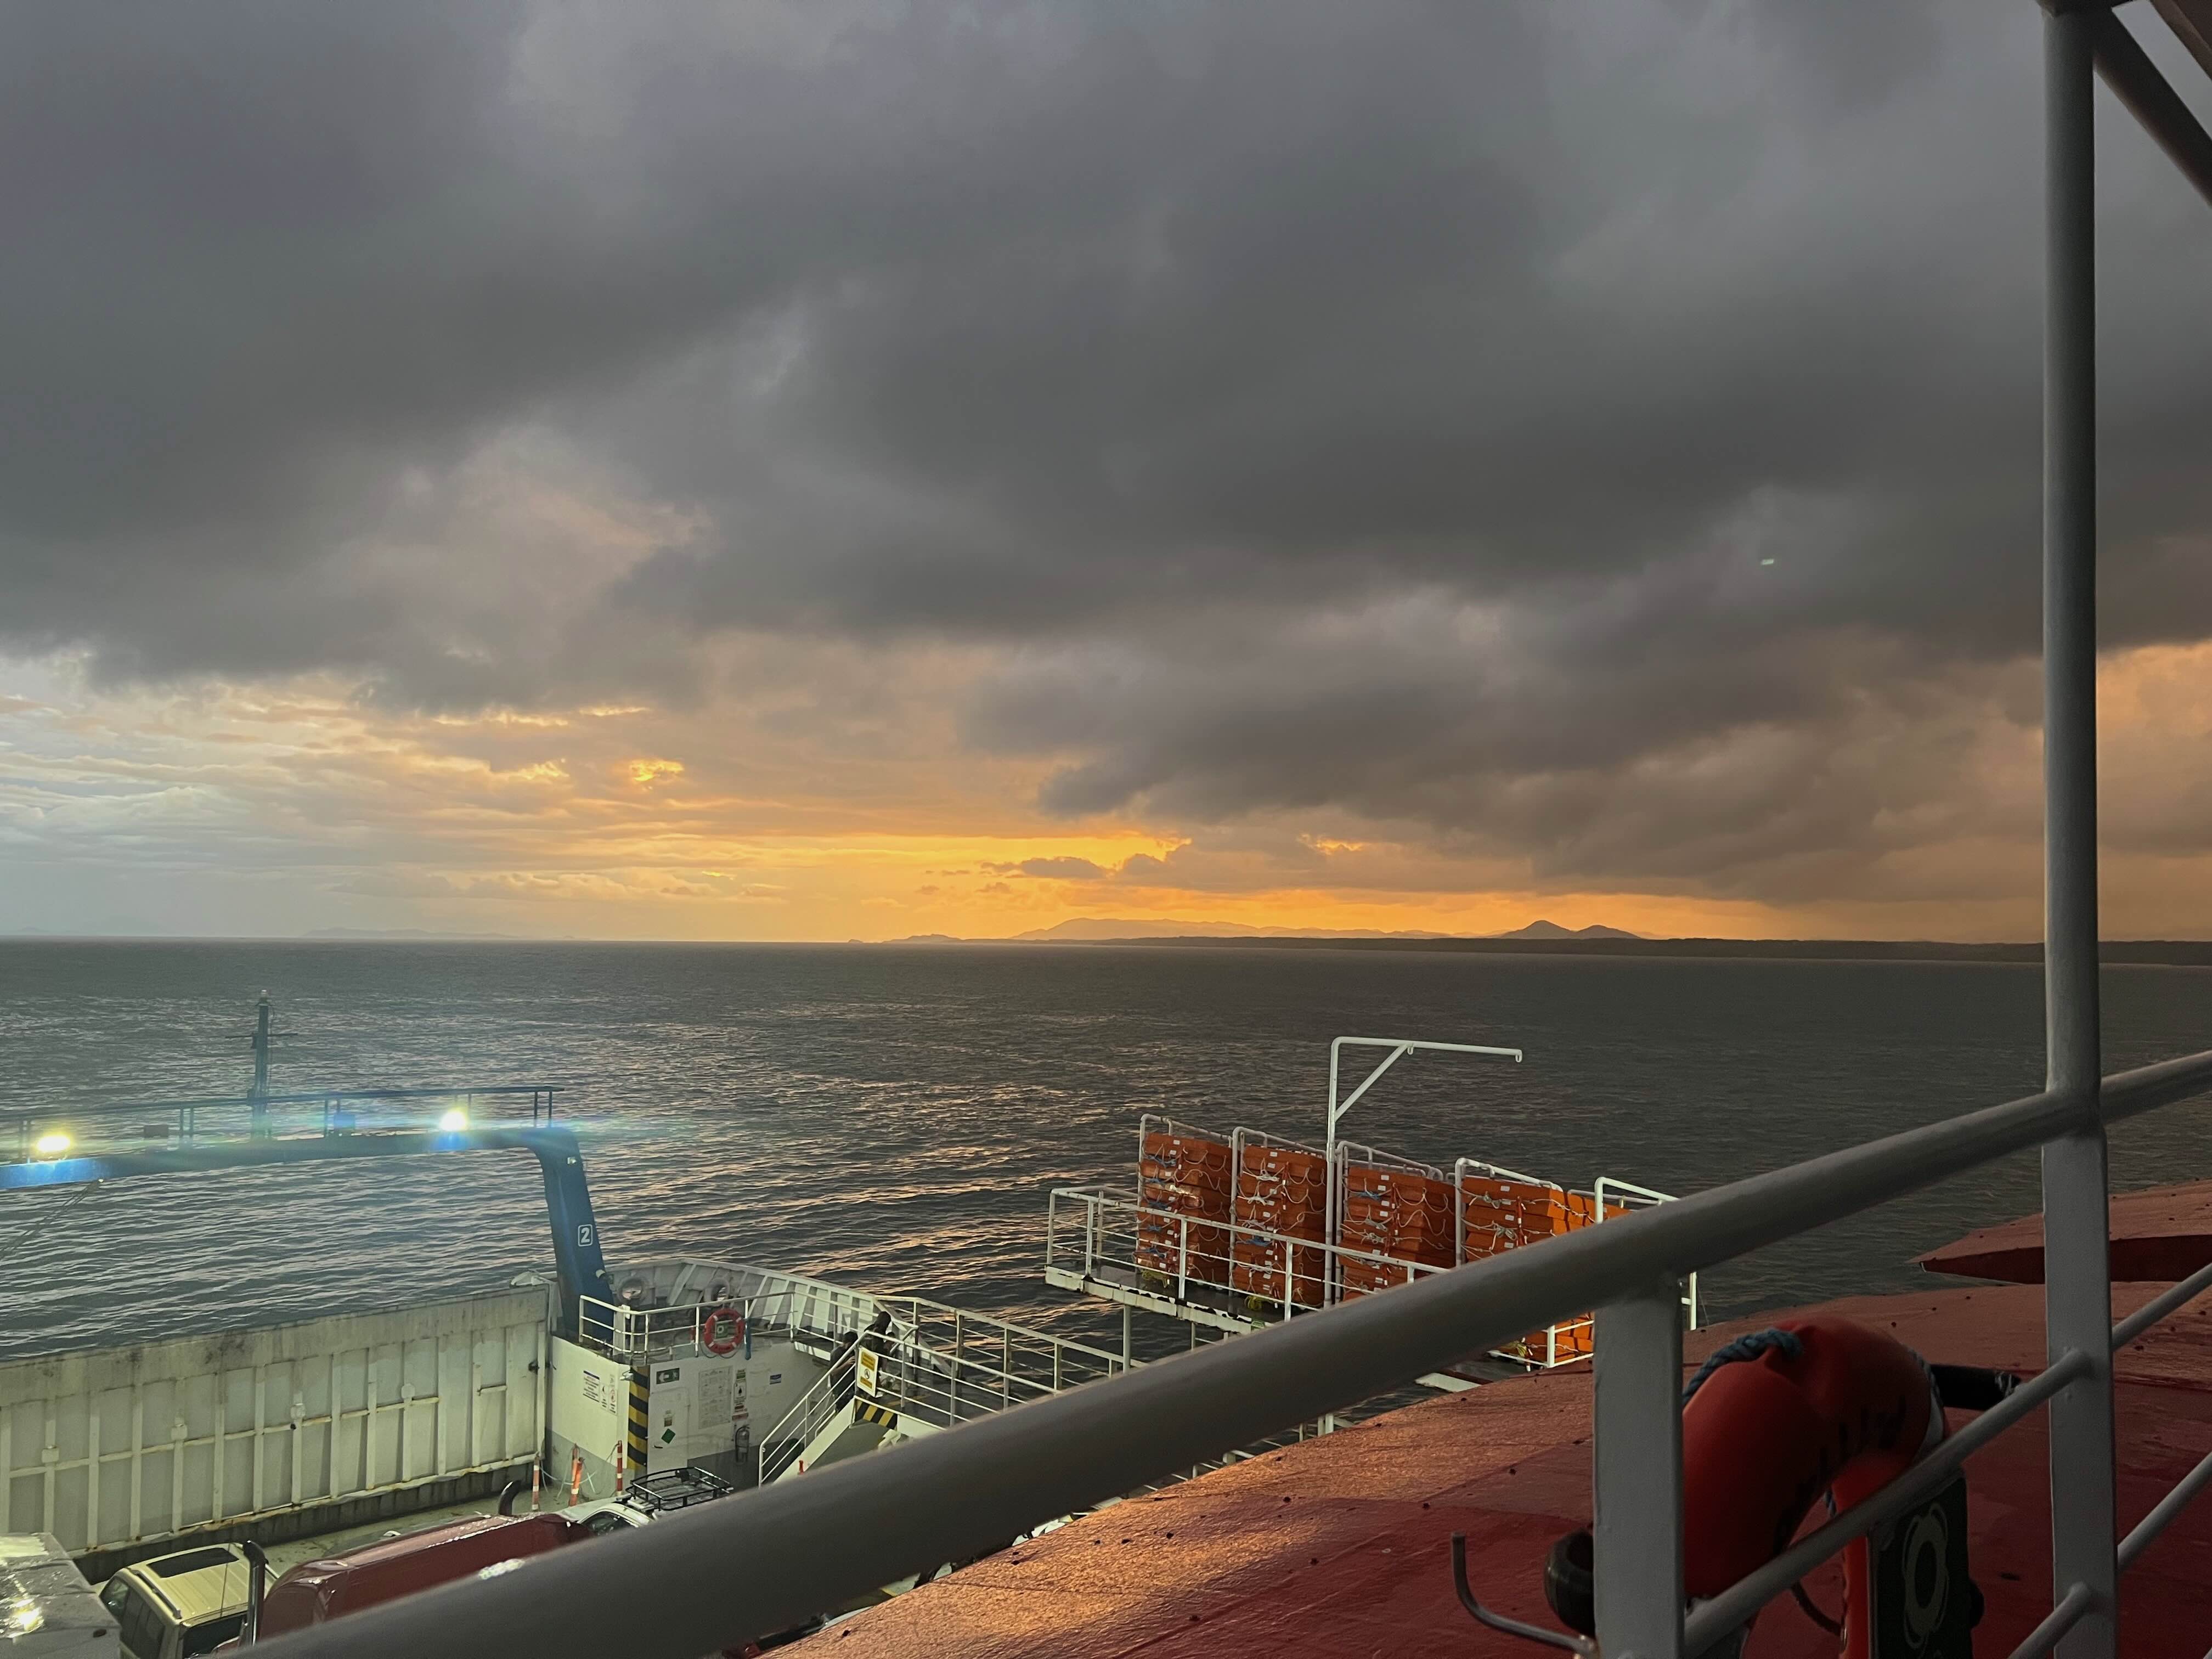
[[721, 1331]]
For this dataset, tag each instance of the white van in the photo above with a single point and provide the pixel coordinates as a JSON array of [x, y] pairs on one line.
[[180, 1606]]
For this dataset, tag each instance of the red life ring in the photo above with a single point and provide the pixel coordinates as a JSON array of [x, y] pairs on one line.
[[1815, 1405], [721, 1331]]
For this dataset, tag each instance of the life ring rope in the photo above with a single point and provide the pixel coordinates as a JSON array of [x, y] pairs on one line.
[[1750, 1345]]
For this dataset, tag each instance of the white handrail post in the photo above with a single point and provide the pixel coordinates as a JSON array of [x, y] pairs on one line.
[[952, 1373], [2076, 1194], [1332, 1222], [1638, 1500]]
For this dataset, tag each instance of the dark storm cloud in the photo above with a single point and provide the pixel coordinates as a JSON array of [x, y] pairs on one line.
[[1212, 364], [1062, 869]]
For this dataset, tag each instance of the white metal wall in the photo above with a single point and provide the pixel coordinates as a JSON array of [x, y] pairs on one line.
[[589, 1395], [120, 1445]]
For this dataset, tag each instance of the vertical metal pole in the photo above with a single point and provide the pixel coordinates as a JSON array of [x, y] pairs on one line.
[[1125, 1337], [1639, 1474], [92, 1472], [258, 1097], [2078, 1296], [1332, 1208]]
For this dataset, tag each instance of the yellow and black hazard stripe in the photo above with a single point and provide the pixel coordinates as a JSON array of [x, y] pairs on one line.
[[866, 1411], [640, 1421]]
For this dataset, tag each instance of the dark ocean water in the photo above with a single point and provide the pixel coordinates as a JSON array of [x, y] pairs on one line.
[[894, 1117]]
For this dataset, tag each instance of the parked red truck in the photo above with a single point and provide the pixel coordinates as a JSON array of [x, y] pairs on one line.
[[330, 1588]]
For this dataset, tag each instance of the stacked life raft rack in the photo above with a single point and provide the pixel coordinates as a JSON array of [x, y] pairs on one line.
[[1240, 1230]]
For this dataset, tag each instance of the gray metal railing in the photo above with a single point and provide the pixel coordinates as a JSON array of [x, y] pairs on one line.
[[779, 1555]]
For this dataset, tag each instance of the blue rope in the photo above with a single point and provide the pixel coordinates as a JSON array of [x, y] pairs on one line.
[[1749, 1346]]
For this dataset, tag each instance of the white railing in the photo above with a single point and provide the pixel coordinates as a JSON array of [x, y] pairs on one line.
[[1614, 1196], [957, 1365], [935, 1367], [633, 1333], [682, 1293], [1105, 1239], [830, 1400]]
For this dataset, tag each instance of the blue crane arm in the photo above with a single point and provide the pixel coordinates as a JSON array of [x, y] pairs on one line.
[[576, 1254]]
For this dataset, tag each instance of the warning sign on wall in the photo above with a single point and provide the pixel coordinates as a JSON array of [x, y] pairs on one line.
[[717, 1391], [591, 1398]]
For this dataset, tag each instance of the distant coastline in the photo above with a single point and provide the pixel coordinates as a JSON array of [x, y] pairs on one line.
[[2173, 953]]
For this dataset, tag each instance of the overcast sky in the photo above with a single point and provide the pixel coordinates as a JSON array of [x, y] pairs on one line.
[[853, 469]]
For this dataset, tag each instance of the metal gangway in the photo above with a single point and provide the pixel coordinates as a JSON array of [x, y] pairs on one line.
[[917, 1367], [813, 1543]]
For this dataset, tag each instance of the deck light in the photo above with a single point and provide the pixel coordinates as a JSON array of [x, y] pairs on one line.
[[454, 1120], [52, 1145]]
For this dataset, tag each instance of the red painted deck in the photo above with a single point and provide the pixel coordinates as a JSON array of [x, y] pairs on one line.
[[2164, 1233], [1339, 1546]]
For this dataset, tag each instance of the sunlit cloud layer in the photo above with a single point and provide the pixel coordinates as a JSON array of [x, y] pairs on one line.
[[265, 810], [842, 469]]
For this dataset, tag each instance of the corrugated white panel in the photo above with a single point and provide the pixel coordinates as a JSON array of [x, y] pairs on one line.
[[119, 1445]]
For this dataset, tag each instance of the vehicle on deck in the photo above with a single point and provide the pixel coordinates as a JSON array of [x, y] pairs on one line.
[[649, 1498], [182, 1605], [47, 1611], [315, 1591]]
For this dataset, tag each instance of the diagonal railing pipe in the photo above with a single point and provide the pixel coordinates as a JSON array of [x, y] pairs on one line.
[[775, 1558]]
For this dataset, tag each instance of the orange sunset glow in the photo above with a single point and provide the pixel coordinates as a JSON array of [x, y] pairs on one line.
[[591, 822]]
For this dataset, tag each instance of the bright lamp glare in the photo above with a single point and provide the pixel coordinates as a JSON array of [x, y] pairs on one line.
[[50, 1146], [454, 1120]]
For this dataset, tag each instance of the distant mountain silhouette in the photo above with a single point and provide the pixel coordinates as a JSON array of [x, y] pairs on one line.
[[1110, 930], [1082, 928], [1552, 930]]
